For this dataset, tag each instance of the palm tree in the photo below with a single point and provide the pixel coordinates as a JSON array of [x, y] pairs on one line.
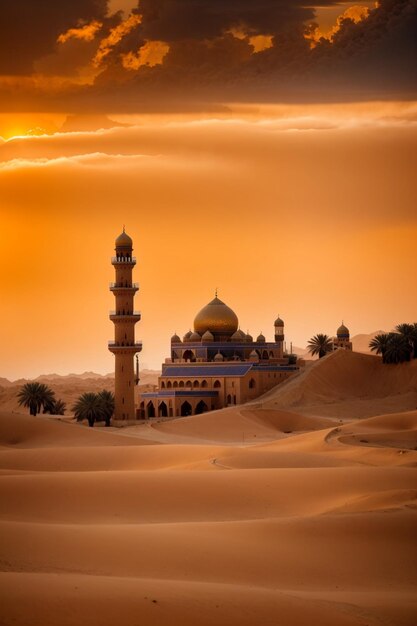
[[89, 407], [35, 396], [320, 344], [107, 400], [379, 344], [409, 332], [55, 407], [60, 407], [398, 349]]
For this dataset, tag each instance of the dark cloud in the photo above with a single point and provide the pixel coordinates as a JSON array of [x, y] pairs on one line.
[[207, 64], [29, 28], [379, 52], [172, 20]]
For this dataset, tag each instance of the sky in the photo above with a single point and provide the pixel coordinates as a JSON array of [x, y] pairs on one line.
[[264, 149]]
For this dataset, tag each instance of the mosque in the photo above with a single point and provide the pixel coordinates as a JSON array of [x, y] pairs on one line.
[[342, 339], [217, 365]]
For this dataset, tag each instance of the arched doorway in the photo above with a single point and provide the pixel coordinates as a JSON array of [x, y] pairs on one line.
[[163, 410], [265, 356], [229, 399], [142, 410], [186, 409], [252, 383], [201, 407], [150, 409], [188, 355]]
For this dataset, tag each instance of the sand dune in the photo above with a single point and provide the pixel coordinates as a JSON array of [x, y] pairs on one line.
[[271, 513], [348, 384]]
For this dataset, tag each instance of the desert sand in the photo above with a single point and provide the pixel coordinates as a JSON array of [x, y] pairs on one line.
[[296, 509]]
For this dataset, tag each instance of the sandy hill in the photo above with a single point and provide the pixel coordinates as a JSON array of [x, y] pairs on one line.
[[348, 384], [276, 512], [69, 387]]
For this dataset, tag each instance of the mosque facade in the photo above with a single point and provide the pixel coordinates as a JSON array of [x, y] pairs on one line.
[[342, 339], [216, 365]]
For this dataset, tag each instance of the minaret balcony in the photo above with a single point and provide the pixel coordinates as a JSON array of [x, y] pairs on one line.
[[125, 346], [124, 286], [123, 260], [125, 316]]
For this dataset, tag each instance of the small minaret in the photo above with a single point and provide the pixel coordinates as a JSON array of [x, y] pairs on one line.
[[279, 334], [124, 317]]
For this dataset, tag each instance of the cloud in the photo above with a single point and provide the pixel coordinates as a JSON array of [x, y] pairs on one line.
[[151, 53], [115, 35], [86, 32], [29, 30], [173, 54]]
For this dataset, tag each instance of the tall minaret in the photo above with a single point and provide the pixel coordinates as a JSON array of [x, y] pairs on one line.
[[279, 334], [124, 317]]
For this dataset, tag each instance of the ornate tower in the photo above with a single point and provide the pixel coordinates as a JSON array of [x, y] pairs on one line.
[[124, 317], [279, 334]]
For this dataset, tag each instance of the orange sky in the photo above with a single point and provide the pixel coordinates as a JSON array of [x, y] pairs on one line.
[[306, 211]]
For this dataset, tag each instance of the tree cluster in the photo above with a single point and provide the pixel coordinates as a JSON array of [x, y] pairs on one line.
[[397, 346], [37, 397], [94, 407]]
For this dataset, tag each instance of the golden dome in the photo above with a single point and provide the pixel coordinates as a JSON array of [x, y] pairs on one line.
[[218, 357], [343, 331], [175, 339], [123, 240], [195, 337], [216, 317], [279, 322], [260, 338]]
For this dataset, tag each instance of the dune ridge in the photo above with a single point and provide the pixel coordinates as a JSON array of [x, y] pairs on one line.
[[299, 508]]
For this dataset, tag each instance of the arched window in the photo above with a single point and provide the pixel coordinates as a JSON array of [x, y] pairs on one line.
[[217, 383], [188, 383], [229, 399], [196, 383], [175, 383], [186, 409], [265, 355], [252, 384], [201, 407], [162, 385], [181, 383], [169, 384], [204, 383]]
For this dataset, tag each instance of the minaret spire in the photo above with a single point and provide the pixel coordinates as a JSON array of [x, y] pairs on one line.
[[124, 346]]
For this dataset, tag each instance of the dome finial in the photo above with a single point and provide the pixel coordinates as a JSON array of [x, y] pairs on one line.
[[215, 293]]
